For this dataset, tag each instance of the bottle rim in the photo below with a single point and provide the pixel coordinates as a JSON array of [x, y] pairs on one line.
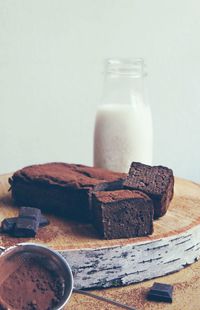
[[132, 67]]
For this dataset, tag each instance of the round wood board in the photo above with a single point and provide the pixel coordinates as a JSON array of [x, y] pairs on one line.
[[174, 244]]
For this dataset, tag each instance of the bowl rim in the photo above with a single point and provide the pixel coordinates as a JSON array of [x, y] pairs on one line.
[[32, 246]]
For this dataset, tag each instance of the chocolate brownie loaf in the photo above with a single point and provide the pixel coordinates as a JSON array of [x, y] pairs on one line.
[[122, 214], [156, 181], [60, 188]]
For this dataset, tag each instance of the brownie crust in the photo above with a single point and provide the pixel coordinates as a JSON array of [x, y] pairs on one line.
[[118, 195]]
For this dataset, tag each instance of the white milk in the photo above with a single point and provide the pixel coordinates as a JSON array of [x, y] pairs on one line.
[[123, 133]]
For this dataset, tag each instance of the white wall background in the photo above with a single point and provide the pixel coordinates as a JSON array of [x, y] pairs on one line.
[[51, 59]]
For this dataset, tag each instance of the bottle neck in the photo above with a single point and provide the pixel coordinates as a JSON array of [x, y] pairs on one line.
[[124, 81]]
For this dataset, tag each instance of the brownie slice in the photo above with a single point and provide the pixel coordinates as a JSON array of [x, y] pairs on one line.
[[156, 181], [122, 214], [60, 188]]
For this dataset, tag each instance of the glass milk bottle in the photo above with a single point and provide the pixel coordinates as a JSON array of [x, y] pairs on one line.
[[123, 128]]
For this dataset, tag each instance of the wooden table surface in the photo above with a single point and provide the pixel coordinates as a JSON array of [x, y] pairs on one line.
[[183, 215], [104, 263], [186, 294]]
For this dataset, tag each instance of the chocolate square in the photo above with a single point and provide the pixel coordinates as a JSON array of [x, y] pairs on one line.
[[161, 292], [25, 227], [43, 221], [32, 213], [8, 224]]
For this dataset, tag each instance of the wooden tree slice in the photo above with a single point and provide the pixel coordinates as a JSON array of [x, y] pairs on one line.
[[174, 244]]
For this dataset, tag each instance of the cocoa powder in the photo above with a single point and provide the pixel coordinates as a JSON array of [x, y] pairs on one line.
[[31, 286]]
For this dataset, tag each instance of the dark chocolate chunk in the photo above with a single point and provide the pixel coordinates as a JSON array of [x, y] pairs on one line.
[[122, 214], [28, 222], [161, 292], [25, 227], [8, 224], [155, 181], [32, 213], [43, 221]]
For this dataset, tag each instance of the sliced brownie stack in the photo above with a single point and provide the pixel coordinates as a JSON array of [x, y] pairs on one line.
[[145, 195], [118, 205]]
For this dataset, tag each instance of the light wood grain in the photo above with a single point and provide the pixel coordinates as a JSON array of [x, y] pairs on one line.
[[103, 263]]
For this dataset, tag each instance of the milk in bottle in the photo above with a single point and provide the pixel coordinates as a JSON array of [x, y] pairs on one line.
[[123, 128]]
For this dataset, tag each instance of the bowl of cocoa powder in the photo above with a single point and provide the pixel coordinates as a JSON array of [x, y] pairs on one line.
[[33, 277]]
